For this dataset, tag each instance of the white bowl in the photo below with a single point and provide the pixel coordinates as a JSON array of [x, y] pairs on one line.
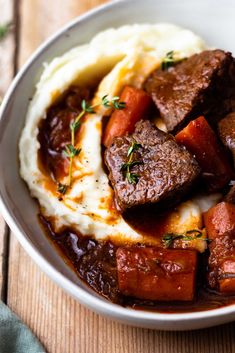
[[215, 23]]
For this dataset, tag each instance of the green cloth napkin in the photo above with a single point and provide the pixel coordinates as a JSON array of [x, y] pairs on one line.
[[15, 337]]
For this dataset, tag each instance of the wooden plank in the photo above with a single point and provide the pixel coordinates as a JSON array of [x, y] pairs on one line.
[[51, 15], [64, 326], [60, 322], [7, 47]]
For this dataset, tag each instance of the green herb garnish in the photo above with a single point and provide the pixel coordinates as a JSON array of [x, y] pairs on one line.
[[4, 30], [169, 238], [62, 188], [170, 60], [70, 150], [132, 178], [114, 102]]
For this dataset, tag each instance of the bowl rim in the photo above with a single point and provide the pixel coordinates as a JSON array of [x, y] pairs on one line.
[[94, 302]]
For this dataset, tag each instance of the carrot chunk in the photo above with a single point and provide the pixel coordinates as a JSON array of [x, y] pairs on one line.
[[138, 104], [157, 274], [199, 138], [220, 226]]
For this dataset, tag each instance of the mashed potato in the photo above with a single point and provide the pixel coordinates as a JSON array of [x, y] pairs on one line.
[[116, 57]]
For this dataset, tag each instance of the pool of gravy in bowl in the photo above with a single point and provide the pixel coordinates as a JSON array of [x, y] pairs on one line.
[[95, 264]]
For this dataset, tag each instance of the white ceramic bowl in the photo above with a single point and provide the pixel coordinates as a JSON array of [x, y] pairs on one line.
[[214, 21]]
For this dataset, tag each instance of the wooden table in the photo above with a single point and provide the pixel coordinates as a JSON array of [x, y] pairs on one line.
[[60, 322]]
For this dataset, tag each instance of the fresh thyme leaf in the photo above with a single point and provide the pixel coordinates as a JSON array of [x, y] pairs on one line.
[[77, 151], [169, 238], [126, 167], [170, 60], [62, 188], [132, 178], [170, 55], [134, 147], [71, 152], [114, 102], [117, 104], [105, 102], [4, 30], [86, 107]]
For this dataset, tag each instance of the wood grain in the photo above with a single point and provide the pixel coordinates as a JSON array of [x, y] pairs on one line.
[[50, 16], [61, 323], [64, 326], [7, 50]]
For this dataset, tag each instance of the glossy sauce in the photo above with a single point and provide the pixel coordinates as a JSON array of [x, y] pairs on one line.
[[95, 264], [148, 222]]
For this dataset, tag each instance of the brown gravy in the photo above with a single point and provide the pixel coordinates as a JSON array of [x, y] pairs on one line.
[[95, 264], [148, 222]]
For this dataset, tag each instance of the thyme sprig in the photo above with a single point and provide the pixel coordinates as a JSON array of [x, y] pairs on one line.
[[132, 178], [169, 238], [113, 103], [4, 30], [170, 60], [70, 150]]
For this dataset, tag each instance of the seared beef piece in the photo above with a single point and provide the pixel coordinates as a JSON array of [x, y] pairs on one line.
[[227, 132], [230, 197], [201, 85], [54, 131], [166, 174]]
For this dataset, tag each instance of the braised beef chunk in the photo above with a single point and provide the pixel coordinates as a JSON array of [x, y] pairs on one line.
[[156, 274], [220, 226], [165, 171], [54, 132], [226, 131], [201, 85]]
